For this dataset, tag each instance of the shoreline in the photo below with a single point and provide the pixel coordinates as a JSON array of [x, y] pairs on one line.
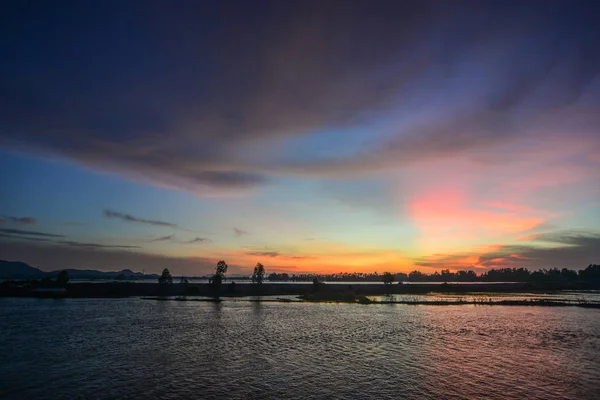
[[536, 302], [328, 291]]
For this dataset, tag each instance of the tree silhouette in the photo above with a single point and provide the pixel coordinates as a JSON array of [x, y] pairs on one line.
[[165, 277], [63, 278], [259, 274], [316, 284], [387, 278], [588, 276], [219, 275]]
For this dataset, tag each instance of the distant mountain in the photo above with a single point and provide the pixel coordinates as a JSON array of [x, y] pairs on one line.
[[20, 270], [93, 274]]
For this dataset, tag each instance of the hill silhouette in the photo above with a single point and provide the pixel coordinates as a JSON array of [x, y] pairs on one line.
[[21, 270]]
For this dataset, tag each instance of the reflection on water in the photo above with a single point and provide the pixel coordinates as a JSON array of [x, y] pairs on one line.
[[124, 348], [564, 296]]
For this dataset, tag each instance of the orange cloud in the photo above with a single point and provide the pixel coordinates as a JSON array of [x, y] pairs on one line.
[[324, 257], [509, 207]]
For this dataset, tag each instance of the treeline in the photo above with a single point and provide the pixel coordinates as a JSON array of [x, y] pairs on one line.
[[590, 274], [340, 277]]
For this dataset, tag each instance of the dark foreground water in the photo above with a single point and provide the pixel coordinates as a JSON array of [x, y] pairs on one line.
[[132, 348]]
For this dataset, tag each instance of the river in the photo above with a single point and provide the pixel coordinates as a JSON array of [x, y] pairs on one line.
[[134, 348]]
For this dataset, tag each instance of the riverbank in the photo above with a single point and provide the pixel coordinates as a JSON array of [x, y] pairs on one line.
[[129, 289]]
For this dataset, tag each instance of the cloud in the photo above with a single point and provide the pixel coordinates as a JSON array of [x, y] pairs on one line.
[[53, 241], [96, 245], [131, 218], [447, 213], [19, 220], [573, 237], [278, 255], [36, 239], [53, 257], [164, 238], [571, 249], [29, 233], [240, 232], [509, 207], [264, 253], [401, 76], [200, 240], [449, 261]]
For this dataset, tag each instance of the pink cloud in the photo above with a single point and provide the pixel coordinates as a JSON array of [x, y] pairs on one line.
[[509, 207], [447, 214]]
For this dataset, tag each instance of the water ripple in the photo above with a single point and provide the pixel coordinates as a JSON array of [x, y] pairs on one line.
[[129, 348]]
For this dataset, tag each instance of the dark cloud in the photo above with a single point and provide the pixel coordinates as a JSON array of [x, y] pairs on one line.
[[580, 238], [29, 233], [19, 220], [54, 257], [574, 249], [276, 254], [200, 240], [571, 249], [443, 261], [240, 232], [230, 179], [131, 218], [35, 239], [65, 242], [176, 98], [164, 238], [264, 253], [95, 245]]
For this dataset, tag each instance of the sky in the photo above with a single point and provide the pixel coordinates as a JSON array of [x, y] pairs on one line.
[[310, 136]]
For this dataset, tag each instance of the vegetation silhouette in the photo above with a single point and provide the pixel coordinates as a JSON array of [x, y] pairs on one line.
[[259, 274], [515, 281], [219, 276], [589, 275], [165, 278], [317, 284], [62, 279], [388, 278]]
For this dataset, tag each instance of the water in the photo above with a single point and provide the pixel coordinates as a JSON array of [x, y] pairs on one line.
[[248, 281], [563, 296], [133, 348]]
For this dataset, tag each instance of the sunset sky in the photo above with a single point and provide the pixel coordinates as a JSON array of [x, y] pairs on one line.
[[309, 136]]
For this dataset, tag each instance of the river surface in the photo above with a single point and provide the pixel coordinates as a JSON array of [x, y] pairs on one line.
[[133, 348], [249, 282]]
